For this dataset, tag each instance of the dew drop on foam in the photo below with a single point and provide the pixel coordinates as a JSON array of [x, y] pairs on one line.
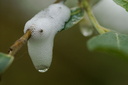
[[43, 70]]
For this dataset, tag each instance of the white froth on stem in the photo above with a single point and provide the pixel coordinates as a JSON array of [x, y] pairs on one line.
[[44, 26]]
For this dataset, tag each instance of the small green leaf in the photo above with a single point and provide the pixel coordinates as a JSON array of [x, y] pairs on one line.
[[5, 61], [123, 3], [77, 14], [111, 42]]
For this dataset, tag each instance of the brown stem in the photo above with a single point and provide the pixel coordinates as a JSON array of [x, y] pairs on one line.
[[19, 43]]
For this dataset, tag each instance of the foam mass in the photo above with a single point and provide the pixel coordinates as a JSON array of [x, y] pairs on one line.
[[44, 26]]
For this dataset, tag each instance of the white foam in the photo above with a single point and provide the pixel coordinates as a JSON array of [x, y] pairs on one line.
[[111, 15], [50, 21]]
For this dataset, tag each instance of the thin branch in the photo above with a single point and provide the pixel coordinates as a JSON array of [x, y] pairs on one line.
[[19, 43]]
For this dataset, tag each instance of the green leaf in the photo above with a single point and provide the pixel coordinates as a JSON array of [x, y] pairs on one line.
[[77, 14], [123, 3], [5, 61], [110, 42]]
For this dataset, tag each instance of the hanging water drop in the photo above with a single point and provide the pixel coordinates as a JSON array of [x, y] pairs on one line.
[[43, 70], [85, 28], [86, 31]]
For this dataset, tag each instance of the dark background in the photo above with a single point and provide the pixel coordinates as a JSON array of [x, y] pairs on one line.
[[72, 63]]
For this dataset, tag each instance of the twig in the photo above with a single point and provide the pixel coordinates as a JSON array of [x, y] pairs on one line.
[[19, 43]]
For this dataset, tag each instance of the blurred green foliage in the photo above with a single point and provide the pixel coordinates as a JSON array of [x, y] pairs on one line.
[[5, 62], [123, 3], [111, 42]]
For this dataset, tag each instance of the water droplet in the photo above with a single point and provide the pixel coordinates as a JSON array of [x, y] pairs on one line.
[[43, 70], [86, 31], [86, 28]]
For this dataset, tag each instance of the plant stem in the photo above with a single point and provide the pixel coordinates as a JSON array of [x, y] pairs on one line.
[[19, 43], [99, 28]]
